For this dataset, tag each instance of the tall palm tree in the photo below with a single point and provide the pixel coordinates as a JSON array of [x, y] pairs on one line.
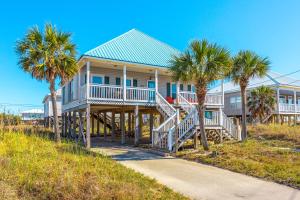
[[261, 102], [48, 55], [202, 63], [246, 65]]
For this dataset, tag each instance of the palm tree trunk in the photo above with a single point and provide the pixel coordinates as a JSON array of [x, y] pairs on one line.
[[201, 94], [244, 118], [54, 106]]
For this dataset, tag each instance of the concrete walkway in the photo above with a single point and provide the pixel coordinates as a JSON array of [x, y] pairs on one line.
[[196, 180]]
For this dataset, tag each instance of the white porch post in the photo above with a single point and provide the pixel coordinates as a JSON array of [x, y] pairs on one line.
[[87, 79], [156, 81], [222, 89], [177, 92], [277, 96], [124, 82], [295, 98], [78, 85]]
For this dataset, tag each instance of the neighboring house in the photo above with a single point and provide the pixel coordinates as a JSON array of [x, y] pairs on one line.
[[127, 77], [32, 116], [48, 110], [286, 93]]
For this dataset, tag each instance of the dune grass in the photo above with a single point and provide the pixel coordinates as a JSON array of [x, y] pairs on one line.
[[33, 167], [268, 153]]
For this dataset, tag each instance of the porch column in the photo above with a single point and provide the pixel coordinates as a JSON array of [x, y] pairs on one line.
[[113, 125], [177, 93], [295, 99], [124, 83], [129, 122], [156, 81], [87, 80], [151, 127], [140, 125], [105, 125], [98, 124], [222, 89], [122, 126], [221, 117], [93, 124], [74, 123], [88, 127], [136, 129], [277, 96]]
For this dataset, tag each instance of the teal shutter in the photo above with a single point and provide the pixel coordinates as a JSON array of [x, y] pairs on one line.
[[168, 89], [106, 80], [189, 88], [135, 83], [181, 87], [118, 81]]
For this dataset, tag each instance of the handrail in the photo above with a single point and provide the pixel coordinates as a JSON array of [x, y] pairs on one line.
[[185, 104], [164, 105]]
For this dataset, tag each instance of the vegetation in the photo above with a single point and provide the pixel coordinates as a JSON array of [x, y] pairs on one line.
[[202, 63], [271, 152], [261, 102], [246, 65], [48, 55], [34, 167], [7, 119]]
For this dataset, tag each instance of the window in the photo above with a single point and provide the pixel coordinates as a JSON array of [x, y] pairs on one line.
[[298, 100], [282, 99], [97, 79], [118, 81], [135, 83], [181, 87], [193, 88], [189, 88], [235, 102], [63, 95], [106, 80]]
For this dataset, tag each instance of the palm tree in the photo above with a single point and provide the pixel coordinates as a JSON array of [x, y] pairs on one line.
[[48, 55], [261, 102], [202, 63], [246, 65]]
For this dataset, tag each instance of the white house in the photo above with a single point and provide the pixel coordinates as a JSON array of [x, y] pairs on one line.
[[33, 115], [286, 93], [127, 77]]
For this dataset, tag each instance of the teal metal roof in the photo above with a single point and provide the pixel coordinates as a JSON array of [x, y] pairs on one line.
[[135, 47]]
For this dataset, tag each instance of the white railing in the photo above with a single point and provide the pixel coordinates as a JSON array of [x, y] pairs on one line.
[[160, 134], [285, 107], [140, 94], [107, 92], [185, 104], [164, 106], [211, 99], [229, 126], [188, 123], [214, 121]]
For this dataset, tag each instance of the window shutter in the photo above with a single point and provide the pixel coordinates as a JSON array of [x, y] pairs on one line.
[[189, 88], [134, 83], [118, 81], [106, 80], [168, 89], [181, 87]]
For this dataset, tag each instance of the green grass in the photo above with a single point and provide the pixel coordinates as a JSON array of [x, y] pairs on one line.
[[33, 167], [268, 153]]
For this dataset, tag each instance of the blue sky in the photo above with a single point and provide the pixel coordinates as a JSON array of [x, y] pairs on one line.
[[270, 28]]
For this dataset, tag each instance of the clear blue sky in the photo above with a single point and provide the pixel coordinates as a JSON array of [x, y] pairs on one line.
[[271, 28]]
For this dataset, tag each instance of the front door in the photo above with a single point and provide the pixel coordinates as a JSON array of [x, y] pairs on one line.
[[151, 84]]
